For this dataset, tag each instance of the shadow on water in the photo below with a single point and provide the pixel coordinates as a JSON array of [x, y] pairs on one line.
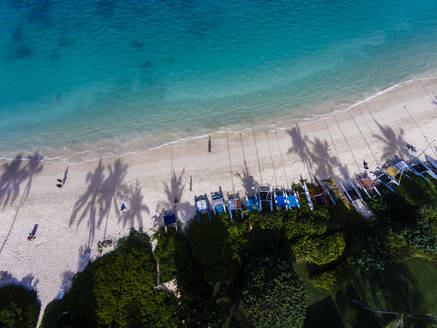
[[105, 8], [15, 174], [300, 146], [394, 144], [95, 204]]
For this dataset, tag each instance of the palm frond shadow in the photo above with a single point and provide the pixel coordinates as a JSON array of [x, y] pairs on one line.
[[15, 173], [393, 143], [95, 203], [248, 181], [136, 206], [324, 162], [300, 146], [174, 191]]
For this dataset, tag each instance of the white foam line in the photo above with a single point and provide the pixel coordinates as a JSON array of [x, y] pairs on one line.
[[315, 117]]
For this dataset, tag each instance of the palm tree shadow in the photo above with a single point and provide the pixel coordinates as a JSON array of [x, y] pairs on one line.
[[174, 192], [248, 181], [300, 147], [101, 192], [11, 180], [111, 187], [15, 173], [324, 162], [175, 189], [27, 281], [394, 144], [135, 205], [13, 184], [87, 204], [34, 166]]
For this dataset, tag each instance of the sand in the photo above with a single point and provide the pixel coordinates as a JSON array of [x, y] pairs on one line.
[[71, 220]]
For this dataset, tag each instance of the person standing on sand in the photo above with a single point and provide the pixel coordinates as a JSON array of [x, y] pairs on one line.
[[209, 144]]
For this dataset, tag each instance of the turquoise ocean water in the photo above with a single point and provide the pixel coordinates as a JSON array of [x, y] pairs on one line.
[[113, 75]]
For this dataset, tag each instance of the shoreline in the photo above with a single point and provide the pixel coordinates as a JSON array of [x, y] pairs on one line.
[[313, 116], [71, 220]]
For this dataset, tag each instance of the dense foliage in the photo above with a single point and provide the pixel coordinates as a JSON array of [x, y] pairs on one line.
[[19, 307], [116, 291], [240, 273], [273, 295]]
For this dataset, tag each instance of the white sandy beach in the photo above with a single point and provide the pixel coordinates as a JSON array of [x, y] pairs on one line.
[[74, 218]]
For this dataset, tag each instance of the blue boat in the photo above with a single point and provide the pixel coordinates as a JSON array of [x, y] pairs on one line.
[[280, 198], [252, 202], [202, 206], [218, 202], [170, 220], [420, 167], [291, 198]]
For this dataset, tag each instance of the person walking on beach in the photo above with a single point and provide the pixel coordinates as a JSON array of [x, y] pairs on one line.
[[411, 148], [366, 166], [209, 144], [62, 181]]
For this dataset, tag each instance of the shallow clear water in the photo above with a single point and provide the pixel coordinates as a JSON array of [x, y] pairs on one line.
[[135, 74]]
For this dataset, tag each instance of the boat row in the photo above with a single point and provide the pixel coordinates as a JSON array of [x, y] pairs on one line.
[[317, 193]]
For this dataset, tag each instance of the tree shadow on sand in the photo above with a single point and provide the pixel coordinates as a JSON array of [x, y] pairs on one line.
[[27, 281], [174, 192], [15, 174], [249, 183], [111, 187], [394, 144], [87, 206], [95, 203], [324, 162], [136, 205], [300, 146]]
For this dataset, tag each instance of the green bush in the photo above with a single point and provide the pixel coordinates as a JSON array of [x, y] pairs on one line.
[[273, 295], [19, 307], [325, 280], [116, 291], [319, 250], [165, 254]]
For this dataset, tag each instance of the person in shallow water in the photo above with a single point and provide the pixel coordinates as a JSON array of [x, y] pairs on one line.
[[209, 144]]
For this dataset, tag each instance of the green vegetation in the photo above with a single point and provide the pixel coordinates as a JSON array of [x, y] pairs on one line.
[[329, 267], [116, 291], [273, 295], [19, 307]]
